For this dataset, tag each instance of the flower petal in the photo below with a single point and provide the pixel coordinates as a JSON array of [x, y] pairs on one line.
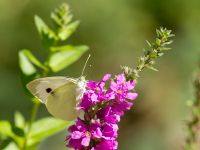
[[85, 141], [113, 86], [97, 133], [129, 85], [120, 79], [76, 135], [94, 98], [106, 77], [131, 96]]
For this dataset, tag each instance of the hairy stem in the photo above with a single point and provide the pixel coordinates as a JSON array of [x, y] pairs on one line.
[[33, 117], [193, 124], [147, 60]]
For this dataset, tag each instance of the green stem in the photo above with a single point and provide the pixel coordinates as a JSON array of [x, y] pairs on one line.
[[33, 116], [147, 60]]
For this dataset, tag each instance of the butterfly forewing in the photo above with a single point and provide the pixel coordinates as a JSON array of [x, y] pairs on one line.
[[41, 88], [61, 102]]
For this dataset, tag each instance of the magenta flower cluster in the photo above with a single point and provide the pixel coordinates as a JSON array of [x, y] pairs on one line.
[[103, 104]]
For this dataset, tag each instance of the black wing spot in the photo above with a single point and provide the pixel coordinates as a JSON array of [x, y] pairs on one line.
[[48, 90]]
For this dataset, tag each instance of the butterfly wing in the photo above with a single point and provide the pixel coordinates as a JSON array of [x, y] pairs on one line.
[[42, 87], [61, 102]]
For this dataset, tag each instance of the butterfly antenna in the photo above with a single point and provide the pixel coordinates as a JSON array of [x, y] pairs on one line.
[[85, 65]]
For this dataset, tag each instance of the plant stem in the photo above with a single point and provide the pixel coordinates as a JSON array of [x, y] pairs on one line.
[[147, 60], [193, 124], [33, 116]]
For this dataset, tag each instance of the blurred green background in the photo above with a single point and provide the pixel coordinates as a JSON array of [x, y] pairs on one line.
[[116, 31]]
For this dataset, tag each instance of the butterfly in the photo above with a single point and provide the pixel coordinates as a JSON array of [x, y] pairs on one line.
[[60, 94]]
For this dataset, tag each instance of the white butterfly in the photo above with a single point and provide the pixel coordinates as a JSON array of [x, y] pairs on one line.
[[59, 94]]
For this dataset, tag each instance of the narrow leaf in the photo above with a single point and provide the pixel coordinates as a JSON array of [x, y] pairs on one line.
[[33, 59], [19, 120], [28, 70], [62, 15], [66, 31], [149, 44], [152, 68], [26, 66], [47, 35]]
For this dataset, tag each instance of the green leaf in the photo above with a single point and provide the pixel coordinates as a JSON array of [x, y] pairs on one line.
[[26, 66], [61, 16], [149, 44], [45, 128], [5, 143], [47, 35], [152, 68], [5, 129], [19, 120], [18, 131], [28, 70], [11, 146], [33, 59], [65, 55], [67, 31]]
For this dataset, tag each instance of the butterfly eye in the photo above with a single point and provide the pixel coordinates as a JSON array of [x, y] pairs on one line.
[[48, 90]]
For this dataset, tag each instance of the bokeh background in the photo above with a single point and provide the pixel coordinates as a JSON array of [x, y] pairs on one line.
[[116, 31]]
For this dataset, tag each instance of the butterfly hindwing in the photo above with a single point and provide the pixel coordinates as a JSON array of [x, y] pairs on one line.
[[61, 102]]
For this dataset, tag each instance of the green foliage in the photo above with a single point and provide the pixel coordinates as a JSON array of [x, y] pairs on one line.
[[44, 128], [25, 64], [47, 35], [27, 134], [10, 133], [64, 56], [64, 27], [147, 60], [5, 129], [28, 63], [62, 18], [28, 56], [14, 135], [19, 120]]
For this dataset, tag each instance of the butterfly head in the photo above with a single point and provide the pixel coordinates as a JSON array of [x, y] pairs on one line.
[[81, 88], [81, 82]]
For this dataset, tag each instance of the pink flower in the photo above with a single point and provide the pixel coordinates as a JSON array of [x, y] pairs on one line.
[[121, 88], [103, 107]]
